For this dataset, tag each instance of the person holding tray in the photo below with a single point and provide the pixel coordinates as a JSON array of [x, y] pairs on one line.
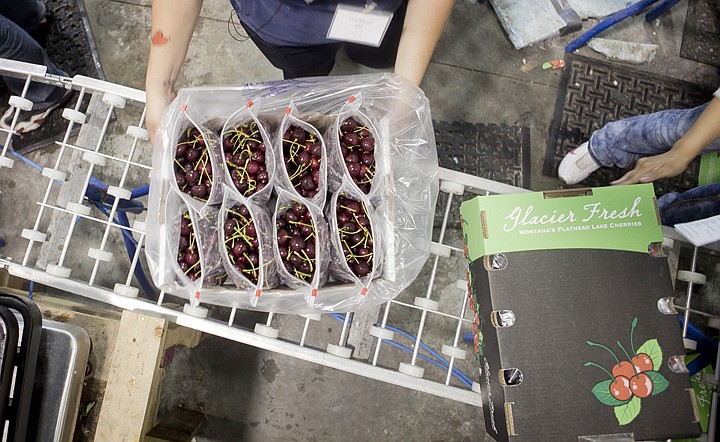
[[301, 37]]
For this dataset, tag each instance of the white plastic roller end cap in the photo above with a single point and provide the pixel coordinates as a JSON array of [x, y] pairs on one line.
[[415, 371], [689, 344], [33, 235], [476, 387], [119, 192], [426, 304], [22, 103], [59, 271], [53, 174], [452, 187], [95, 158], [138, 132], [73, 115], [267, 331], [113, 100], [78, 208], [694, 277], [100, 255], [440, 250], [312, 316], [714, 323], [195, 310], [125, 290], [343, 352], [382, 333], [7, 162], [453, 352]]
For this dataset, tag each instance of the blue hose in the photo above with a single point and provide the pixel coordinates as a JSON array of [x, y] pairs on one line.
[[658, 10], [439, 361], [608, 22]]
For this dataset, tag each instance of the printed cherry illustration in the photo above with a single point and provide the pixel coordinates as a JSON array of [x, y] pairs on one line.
[[641, 385], [623, 368], [620, 388], [642, 362]]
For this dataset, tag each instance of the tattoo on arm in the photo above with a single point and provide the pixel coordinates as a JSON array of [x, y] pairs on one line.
[[159, 39]]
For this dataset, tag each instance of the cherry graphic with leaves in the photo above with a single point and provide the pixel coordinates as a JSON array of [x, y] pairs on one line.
[[632, 379]]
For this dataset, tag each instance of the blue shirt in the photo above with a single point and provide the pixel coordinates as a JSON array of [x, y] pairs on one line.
[[295, 22]]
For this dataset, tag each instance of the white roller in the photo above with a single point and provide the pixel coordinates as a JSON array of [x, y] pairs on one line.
[[139, 225], [476, 387], [73, 115], [126, 290], [22, 103], [6, 162], [440, 250], [268, 332], [382, 333], [343, 352], [59, 271], [198, 311], [312, 316], [53, 174], [452, 187], [119, 192], [427, 304], [415, 371], [714, 323], [138, 132], [453, 352], [689, 344], [461, 284], [100, 255], [113, 100], [94, 158], [78, 208], [688, 276], [33, 235]]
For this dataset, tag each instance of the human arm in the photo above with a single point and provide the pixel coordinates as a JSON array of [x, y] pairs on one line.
[[173, 23], [673, 162], [424, 23]]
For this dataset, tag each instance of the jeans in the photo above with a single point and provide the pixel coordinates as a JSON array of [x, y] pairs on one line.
[[621, 143], [698, 203], [17, 18]]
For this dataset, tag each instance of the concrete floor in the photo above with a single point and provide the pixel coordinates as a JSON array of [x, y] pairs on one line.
[[475, 76]]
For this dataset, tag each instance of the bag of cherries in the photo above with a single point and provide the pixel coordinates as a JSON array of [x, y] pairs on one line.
[[301, 151], [301, 244], [197, 163], [356, 239], [246, 244], [249, 160], [191, 242], [355, 149]]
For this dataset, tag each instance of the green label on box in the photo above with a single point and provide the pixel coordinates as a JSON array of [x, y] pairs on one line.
[[612, 218], [709, 169]]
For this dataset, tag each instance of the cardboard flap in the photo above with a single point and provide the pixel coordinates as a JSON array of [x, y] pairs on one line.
[[610, 218]]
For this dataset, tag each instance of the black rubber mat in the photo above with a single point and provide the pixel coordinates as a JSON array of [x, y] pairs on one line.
[[68, 40], [494, 151], [701, 35], [593, 93]]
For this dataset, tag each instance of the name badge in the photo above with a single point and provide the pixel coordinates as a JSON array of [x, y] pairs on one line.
[[359, 25]]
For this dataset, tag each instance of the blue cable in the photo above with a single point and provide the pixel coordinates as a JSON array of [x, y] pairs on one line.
[[31, 287], [440, 360]]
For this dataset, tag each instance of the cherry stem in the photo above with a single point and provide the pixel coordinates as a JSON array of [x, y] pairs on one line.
[[632, 331], [628, 356], [602, 346], [588, 364]]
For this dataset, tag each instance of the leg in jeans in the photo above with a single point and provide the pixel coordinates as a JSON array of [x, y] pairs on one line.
[[698, 203], [16, 44], [298, 61], [25, 13], [622, 143]]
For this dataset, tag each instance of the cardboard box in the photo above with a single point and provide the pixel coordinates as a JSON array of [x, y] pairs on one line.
[[566, 287]]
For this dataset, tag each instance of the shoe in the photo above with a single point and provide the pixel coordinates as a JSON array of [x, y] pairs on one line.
[[32, 120], [577, 165]]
